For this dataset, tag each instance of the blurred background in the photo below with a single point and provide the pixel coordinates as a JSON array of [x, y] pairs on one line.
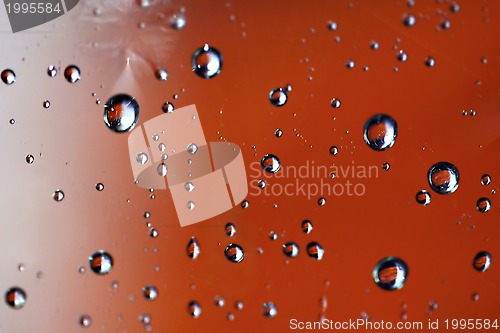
[[296, 79]]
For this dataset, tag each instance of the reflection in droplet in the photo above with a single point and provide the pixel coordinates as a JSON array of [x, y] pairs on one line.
[[482, 261], [234, 253], [230, 229], [307, 226], [485, 179], [15, 297], [85, 320], [334, 150], [101, 262], [269, 310], [150, 292], [8, 76], [278, 97], [270, 163], [207, 62], [423, 197], [322, 201], [121, 113], [443, 178], [291, 249], [380, 132], [167, 107], [58, 195], [194, 309], [483, 205], [314, 250], [72, 74], [193, 248], [390, 273]]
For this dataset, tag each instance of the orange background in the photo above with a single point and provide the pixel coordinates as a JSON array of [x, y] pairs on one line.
[[267, 45]]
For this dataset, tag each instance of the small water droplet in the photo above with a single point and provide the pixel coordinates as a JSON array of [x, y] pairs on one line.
[[278, 97], [386, 166], [278, 133], [443, 178], [245, 204], [261, 183], [99, 186], [141, 158], [238, 305], [219, 301], [58, 195], [194, 309], [350, 64], [390, 273], [193, 248], [430, 61], [402, 56], [374, 45], [190, 205], [30, 159], [307, 226], [121, 113], [51, 71], [475, 297], [46, 104], [162, 169], [177, 21], [270, 163], [380, 132], [273, 236], [485, 179], [234, 253], [335, 103], [207, 62], [315, 251], [482, 261], [150, 292], [147, 215], [192, 148], [153, 233], [230, 229], [161, 74], [85, 320], [167, 107], [15, 297], [445, 24], [334, 150], [483, 205], [423, 197], [12, 121], [8, 76], [454, 8], [72, 74], [101, 262], [145, 318], [331, 25], [322, 201], [269, 310], [409, 20], [291, 249]]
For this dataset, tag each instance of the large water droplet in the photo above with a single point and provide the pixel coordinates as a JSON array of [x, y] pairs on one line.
[[380, 132], [483, 205], [291, 249], [193, 248], [207, 62], [278, 97], [230, 229], [15, 297], [269, 310], [8, 76], [72, 74], [270, 163], [150, 292], [482, 261], [314, 250], [423, 197], [234, 253], [443, 178], [101, 262], [390, 273], [121, 113], [194, 309]]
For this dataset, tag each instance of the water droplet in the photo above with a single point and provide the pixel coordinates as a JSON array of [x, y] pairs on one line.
[[314, 250], [161, 74], [409, 20], [307, 226], [153, 233], [390, 273], [402, 56], [429, 61], [261, 183], [162, 169], [30, 159], [58, 195], [234, 253], [374, 45], [193, 248], [380, 132], [8, 76], [177, 21], [270, 163], [483, 205], [454, 8], [101, 262], [147, 215], [386, 166], [273, 236], [443, 178], [423, 197], [322, 201], [99, 186], [72, 74], [121, 113], [145, 318], [269, 310], [52, 71], [278, 97], [485, 179], [207, 62], [334, 150], [475, 297], [12, 121], [219, 301], [245, 204], [150, 292], [15, 297], [85, 320], [278, 133], [350, 64], [445, 24], [46, 104], [291, 249], [335, 103], [194, 309], [331, 25], [230, 229], [192, 148], [190, 205], [141, 158], [167, 107], [482, 261], [20, 267], [239, 305], [472, 113]]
